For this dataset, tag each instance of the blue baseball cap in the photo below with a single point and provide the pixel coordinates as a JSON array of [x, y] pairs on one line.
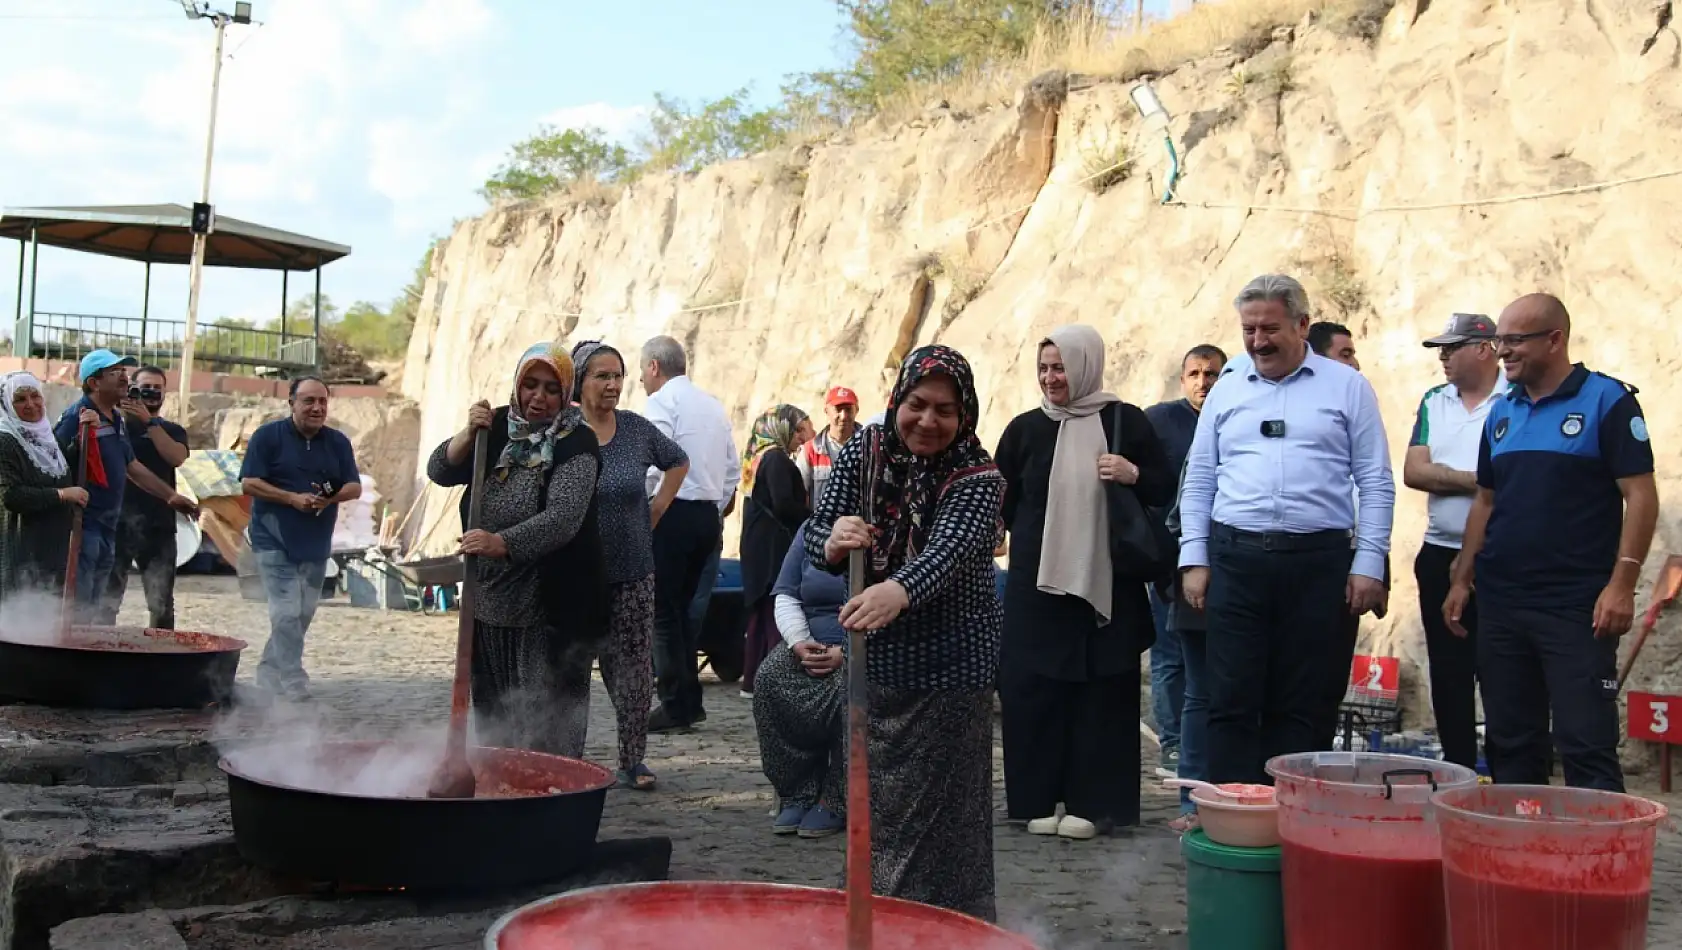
[[100, 360]]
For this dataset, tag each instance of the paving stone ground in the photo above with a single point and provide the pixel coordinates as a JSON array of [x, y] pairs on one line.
[[380, 674]]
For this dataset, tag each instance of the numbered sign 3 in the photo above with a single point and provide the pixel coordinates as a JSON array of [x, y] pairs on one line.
[[1652, 718], [1375, 677]]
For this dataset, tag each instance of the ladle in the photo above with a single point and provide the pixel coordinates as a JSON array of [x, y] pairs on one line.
[[454, 778]]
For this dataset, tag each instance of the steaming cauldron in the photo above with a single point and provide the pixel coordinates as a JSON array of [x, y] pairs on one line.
[[704, 915], [356, 813], [121, 668]]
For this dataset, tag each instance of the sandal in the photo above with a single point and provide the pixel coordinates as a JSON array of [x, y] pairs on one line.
[[1186, 823], [639, 778]]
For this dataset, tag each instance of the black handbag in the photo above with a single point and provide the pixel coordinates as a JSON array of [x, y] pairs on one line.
[[1141, 549]]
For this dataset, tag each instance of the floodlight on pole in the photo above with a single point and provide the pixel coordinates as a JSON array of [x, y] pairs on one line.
[[1150, 106], [241, 14]]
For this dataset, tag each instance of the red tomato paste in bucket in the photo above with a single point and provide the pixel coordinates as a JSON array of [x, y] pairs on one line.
[[1397, 902], [1529, 867], [727, 916]]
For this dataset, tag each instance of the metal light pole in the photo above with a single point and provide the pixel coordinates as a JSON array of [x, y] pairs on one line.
[[241, 14]]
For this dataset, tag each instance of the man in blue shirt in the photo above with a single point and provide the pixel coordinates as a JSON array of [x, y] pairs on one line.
[[111, 465], [296, 470], [1175, 422], [1267, 513], [1558, 531]]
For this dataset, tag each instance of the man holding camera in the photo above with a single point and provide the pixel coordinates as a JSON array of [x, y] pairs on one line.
[[110, 466], [1267, 514], [146, 530], [297, 470]]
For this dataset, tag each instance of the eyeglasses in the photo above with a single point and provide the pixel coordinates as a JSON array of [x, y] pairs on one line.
[[1508, 340]]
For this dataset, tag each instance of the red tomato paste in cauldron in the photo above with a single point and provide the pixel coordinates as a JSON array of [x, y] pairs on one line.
[[727, 916]]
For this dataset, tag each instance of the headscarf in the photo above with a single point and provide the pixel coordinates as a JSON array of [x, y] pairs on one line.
[[581, 355], [532, 446], [1075, 548], [35, 437], [774, 429], [901, 490]]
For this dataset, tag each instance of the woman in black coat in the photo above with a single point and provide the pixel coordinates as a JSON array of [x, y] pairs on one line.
[[1074, 629], [777, 505]]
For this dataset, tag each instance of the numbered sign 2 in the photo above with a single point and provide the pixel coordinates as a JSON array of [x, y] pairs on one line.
[[1375, 677], [1655, 718]]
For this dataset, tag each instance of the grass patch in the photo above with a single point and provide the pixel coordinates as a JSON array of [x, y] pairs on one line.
[[1105, 163]]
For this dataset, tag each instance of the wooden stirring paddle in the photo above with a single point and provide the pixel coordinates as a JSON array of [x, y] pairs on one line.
[[858, 776], [454, 778], [68, 607]]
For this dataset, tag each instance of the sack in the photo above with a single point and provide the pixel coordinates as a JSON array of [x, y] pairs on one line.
[[1141, 549]]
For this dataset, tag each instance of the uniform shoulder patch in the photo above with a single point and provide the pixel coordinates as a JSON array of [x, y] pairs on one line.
[[1638, 428]]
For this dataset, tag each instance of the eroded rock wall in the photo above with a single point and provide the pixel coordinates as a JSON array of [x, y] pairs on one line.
[[1475, 151]]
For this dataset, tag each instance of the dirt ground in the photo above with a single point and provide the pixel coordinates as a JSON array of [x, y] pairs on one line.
[[379, 674]]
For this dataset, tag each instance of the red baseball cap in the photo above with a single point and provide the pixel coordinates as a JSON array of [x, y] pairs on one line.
[[841, 396]]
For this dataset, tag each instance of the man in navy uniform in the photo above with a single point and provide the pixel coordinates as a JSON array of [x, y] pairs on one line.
[[1558, 531]]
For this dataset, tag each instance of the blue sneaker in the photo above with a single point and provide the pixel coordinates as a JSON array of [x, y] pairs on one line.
[[789, 820], [820, 822]]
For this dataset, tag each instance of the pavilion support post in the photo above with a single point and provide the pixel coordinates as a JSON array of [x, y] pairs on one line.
[[145, 306], [315, 347], [17, 315], [284, 274], [25, 334]]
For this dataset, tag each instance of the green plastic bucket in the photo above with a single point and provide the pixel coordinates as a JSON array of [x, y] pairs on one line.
[[1233, 899]]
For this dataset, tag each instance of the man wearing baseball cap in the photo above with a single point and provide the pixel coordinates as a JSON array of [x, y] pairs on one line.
[[813, 460], [111, 464], [1442, 461]]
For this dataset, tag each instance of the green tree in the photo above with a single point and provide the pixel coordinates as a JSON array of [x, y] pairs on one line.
[[555, 158], [688, 139]]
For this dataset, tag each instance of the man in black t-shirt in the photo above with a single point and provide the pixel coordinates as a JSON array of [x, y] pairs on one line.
[[146, 533]]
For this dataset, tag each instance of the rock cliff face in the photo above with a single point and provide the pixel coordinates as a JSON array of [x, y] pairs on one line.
[[1471, 152]]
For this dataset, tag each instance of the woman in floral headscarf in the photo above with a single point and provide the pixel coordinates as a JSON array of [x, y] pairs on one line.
[[542, 600], [921, 497], [776, 506], [36, 491]]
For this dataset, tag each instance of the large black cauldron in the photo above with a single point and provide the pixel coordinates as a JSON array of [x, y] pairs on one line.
[[121, 668]]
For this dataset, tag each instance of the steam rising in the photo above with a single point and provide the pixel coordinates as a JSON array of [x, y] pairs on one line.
[[32, 616]]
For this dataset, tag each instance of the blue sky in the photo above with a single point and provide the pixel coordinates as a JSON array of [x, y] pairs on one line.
[[367, 122]]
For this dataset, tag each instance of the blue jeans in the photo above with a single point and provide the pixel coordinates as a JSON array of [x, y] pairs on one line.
[[1194, 716], [1168, 676], [93, 570], [293, 588]]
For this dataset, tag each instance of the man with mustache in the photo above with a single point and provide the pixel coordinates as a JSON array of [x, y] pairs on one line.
[[146, 531], [1557, 534], [1267, 516], [1442, 460], [1175, 421]]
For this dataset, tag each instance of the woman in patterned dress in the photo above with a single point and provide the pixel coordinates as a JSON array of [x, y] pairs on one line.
[[36, 489], [921, 497], [541, 604], [776, 507], [630, 446], [800, 700]]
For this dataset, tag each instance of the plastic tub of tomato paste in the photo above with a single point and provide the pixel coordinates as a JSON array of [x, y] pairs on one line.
[[1530, 866], [716, 915]]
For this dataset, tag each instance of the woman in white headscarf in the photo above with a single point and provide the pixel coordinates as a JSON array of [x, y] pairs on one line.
[[1073, 628], [37, 491]]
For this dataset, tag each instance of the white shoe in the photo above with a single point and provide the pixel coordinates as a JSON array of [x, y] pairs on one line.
[[745, 694], [1043, 826], [1077, 828]]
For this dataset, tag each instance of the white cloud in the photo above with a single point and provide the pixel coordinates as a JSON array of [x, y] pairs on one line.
[[620, 123]]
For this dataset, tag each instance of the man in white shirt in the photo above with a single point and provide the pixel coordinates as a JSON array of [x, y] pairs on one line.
[[1442, 460], [688, 534]]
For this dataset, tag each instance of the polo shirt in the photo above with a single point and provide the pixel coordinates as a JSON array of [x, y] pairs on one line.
[[280, 455], [1554, 466], [105, 505], [1452, 433]]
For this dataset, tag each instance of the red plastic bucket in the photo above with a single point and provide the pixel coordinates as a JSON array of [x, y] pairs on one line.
[[1534, 866], [718, 915]]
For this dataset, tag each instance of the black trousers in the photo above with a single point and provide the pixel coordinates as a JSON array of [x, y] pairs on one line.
[[1278, 647], [151, 548], [683, 541], [1073, 743], [1454, 660], [1531, 659]]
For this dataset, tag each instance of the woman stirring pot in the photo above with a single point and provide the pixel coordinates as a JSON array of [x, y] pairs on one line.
[[36, 487]]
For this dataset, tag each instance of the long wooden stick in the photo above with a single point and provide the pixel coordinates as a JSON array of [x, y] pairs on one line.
[[455, 779], [68, 606], [858, 777]]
